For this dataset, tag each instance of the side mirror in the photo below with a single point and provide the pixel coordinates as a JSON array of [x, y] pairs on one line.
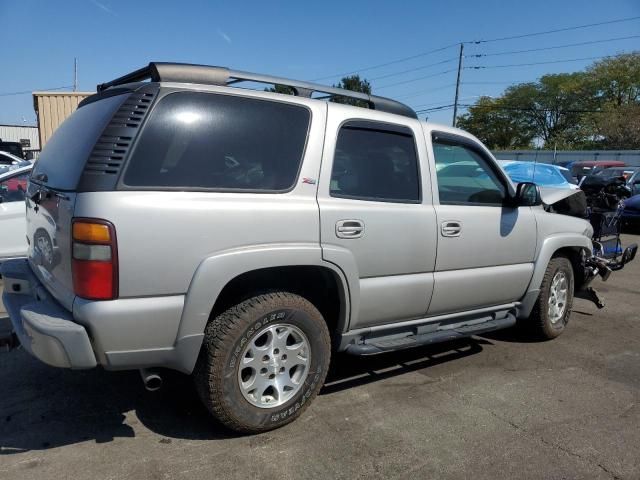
[[527, 195]]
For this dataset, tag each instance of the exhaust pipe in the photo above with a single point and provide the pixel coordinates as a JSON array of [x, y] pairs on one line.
[[151, 379]]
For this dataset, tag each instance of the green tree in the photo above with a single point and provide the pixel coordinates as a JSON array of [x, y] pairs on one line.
[[594, 108], [355, 84], [615, 85], [497, 127], [352, 82], [281, 89]]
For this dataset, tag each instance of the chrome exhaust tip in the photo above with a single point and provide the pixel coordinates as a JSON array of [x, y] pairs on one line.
[[151, 379]]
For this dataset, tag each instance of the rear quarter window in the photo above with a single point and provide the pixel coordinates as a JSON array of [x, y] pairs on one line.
[[64, 156], [195, 140]]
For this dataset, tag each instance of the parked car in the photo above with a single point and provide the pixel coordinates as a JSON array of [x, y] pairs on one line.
[[542, 174], [631, 176], [587, 167], [14, 148], [243, 236], [13, 231], [7, 158], [631, 212]]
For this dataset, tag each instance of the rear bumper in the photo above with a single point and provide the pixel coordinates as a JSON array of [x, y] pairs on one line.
[[45, 329]]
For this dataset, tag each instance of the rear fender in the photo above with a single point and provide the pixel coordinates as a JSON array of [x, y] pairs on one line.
[[215, 272]]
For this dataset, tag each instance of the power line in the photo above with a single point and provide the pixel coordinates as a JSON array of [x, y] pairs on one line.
[[536, 110], [478, 67], [477, 42], [417, 79], [9, 94], [435, 109], [422, 92], [440, 102], [514, 82], [512, 52], [546, 32], [414, 69], [393, 62]]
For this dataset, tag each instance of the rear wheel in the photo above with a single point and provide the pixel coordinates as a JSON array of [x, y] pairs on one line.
[[553, 307], [263, 361]]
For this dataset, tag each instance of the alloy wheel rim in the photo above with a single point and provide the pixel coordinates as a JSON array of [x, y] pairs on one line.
[[558, 295], [274, 365]]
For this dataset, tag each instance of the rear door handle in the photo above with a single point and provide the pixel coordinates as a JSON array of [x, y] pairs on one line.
[[451, 228], [349, 228]]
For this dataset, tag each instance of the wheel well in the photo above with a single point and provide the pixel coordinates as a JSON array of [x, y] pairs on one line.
[[575, 256], [320, 285]]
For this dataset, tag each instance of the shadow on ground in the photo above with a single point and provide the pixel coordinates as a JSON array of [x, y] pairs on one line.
[[43, 407]]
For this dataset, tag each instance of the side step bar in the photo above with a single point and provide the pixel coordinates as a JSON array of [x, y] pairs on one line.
[[373, 346]]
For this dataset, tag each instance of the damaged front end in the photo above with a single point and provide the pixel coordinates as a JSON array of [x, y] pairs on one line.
[[603, 208]]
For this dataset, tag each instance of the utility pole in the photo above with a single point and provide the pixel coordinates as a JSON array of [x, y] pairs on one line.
[[455, 102], [75, 74]]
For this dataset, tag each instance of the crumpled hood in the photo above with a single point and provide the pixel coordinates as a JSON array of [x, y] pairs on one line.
[[552, 195], [565, 201]]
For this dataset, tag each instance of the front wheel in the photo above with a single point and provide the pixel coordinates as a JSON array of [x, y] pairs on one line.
[[553, 307], [263, 361]]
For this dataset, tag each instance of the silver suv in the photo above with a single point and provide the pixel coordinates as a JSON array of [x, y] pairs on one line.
[[242, 236]]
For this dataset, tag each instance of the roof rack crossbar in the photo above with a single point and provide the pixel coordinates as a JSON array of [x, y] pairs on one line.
[[210, 75]]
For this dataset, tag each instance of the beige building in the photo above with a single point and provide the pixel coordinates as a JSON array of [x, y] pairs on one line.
[[52, 108]]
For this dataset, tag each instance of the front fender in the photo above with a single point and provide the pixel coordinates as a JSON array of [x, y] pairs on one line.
[[216, 271], [549, 247]]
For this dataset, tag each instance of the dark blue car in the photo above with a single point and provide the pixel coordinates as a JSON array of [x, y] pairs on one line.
[[631, 213]]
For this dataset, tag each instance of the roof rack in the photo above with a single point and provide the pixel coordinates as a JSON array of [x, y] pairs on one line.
[[204, 74]]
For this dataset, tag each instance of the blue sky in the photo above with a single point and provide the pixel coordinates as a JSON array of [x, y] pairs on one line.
[[112, 37]]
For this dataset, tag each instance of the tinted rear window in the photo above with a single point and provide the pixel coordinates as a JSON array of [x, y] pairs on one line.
[[211, 141], [64, 156]]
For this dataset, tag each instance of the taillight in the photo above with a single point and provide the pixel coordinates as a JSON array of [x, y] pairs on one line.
[[94, 259]]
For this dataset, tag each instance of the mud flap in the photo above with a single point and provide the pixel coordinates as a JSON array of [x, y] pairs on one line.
[[8, 339]]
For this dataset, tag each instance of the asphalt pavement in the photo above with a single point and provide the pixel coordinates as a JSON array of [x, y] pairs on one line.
[[497, 406]]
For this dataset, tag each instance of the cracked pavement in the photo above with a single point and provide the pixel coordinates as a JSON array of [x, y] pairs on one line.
[[496, 406]]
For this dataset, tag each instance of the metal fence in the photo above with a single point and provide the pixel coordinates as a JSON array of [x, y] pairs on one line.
[[630, 157]]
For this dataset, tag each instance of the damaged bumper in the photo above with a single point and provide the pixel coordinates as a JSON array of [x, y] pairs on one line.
[[599, 266]]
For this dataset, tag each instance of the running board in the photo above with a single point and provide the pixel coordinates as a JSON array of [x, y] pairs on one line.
[[389, 343]]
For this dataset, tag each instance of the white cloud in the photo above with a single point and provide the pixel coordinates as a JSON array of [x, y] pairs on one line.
[[103, 7], [224, 36]]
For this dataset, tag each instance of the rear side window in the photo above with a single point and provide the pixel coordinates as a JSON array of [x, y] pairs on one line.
[[223, 142], [64, 156], [375, 164]]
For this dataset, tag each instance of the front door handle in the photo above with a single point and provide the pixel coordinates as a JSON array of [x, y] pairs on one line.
[[451, 228], [349, 228]]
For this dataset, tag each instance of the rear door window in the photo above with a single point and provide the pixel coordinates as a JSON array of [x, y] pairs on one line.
[[376, 162], [196, 140], [64, 156]]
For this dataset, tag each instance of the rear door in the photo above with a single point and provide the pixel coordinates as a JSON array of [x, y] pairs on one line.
[[51, 194], [13, 240], [485, 247], [376, 215]]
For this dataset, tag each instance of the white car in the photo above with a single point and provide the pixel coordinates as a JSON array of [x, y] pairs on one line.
[[13, 230]]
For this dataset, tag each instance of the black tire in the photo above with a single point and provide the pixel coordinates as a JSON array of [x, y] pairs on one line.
[[217, 370], [540, 323]]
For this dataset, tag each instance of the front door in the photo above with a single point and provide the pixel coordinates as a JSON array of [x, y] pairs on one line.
[[485, 247], [376, 218]]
